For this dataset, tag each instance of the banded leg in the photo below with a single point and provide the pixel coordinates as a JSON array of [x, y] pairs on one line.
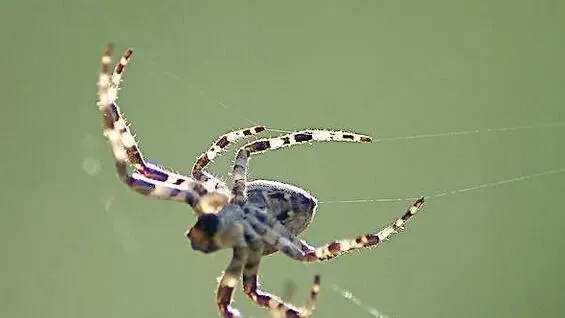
[[147, 179], [116, 128], [224, 293], [276, 305], [306, 253], [220, 145], [263, 145]]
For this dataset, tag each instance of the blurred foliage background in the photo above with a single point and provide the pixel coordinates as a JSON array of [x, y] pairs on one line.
[[77, 243]]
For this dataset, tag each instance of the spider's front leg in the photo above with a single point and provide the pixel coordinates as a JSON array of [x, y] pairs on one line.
[[221, 144], [292, 139], [266, 300], [146, 179]]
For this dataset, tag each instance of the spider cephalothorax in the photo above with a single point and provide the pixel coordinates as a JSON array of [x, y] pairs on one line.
[[204, 233], [254, 218]]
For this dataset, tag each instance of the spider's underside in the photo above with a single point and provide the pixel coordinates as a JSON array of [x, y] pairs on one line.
[[253, 218]]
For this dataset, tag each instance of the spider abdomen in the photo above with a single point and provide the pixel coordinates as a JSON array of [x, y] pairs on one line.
[[293, 207]]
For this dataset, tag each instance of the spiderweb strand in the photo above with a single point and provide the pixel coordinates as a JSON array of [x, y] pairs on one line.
[[372, 311], [473, 131], [203, 93], [219, 102], [457, 191], [501, 182], [279, 130]]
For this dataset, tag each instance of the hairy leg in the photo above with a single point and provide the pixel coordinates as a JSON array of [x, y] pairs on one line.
[[305, 253], [221, 144], [263, 145], [224, 293], [146, 179], [275, 304]]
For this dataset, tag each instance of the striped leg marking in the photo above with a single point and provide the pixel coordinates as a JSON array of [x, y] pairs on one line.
[[337, 248], [279, 308], [276, 305], [147, 179], [220, 145], [263, 145], [224, 293]]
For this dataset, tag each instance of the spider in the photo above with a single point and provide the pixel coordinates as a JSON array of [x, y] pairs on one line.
[[253, 218]]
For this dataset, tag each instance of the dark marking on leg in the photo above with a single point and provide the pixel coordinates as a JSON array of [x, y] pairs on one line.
[[258, 146], [223, 299], [200, 190], [140, 186], [334, 248], [373, 240], [201, 162], [303, 137], [259, 129], [223, 142], [113, 111], [150, 172], [120, 67], [199, 175]]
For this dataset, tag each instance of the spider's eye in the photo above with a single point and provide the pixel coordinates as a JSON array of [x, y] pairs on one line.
[[201, 235]]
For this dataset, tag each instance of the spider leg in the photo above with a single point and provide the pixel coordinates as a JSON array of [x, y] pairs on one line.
[[263, 145], [221, 144], [147, 179], [266, 300], [306, 253], [226, 287], [124, 146]]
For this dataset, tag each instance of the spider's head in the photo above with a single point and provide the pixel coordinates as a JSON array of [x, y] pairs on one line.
[[202, 234], [215, 231]]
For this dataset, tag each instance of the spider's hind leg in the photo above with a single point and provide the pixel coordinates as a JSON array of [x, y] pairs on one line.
[[292, 139], [307, 310], [305, 253], [276, 305]]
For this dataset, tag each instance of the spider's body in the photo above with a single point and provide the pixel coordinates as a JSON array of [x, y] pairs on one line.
[[271, 206], [254, 218]]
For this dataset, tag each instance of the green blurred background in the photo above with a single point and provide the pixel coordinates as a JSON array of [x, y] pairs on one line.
[[77, 243]]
